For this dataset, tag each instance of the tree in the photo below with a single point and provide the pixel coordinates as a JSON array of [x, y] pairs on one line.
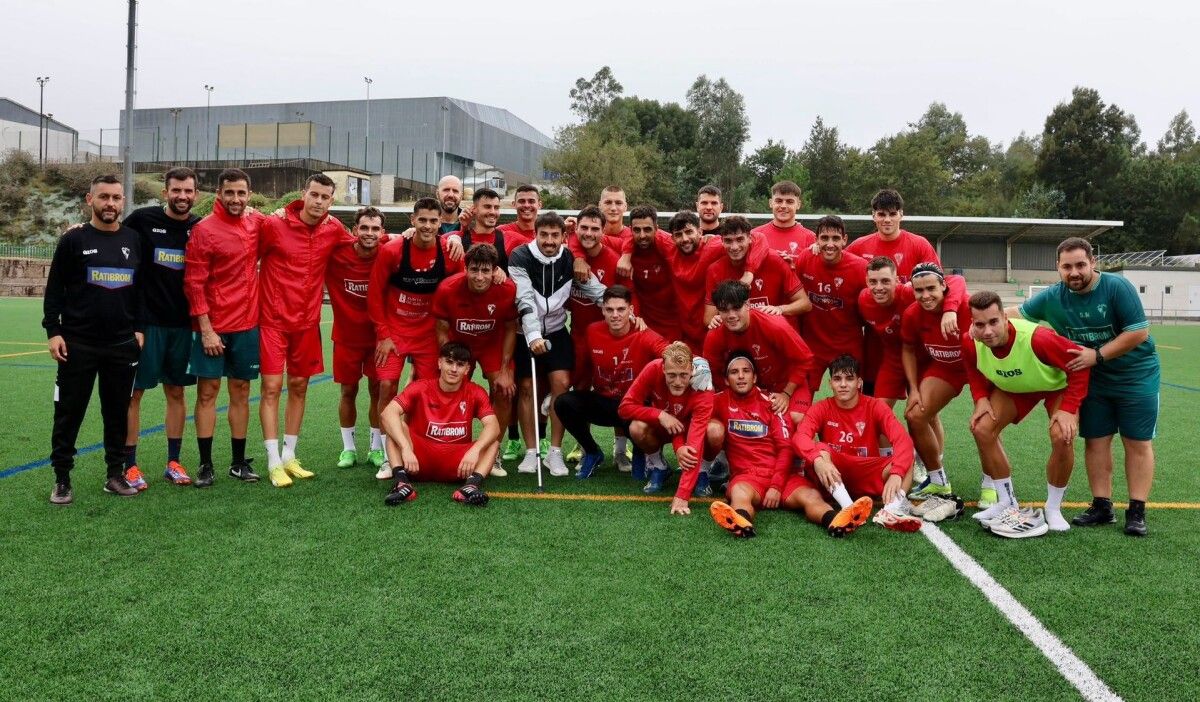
[[1180, 136], [723, 127], [590, 98], [585, 162], [762, 168], [1085, 145], [1040, 202], [824, 158]]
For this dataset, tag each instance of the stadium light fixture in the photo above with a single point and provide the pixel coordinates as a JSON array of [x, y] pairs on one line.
[[208, 117], [368, 81], [41, 81]]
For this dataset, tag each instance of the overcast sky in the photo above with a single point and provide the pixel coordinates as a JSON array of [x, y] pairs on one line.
[[867, 67]]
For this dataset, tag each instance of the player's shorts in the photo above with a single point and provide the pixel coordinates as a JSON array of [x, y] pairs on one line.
[[953, 377], [240, 360], [560, 357], [351, 363], [424, 355], [797, 481], [165, 356], [758, 484], [1025, 402], [890, 383], [488, 360], [862, 476], [438, 462], [801, 401], [1135, 417], [298, 352]]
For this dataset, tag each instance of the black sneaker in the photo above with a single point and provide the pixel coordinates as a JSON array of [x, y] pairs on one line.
[[62, 494], [1101, 512], [204, 478], [1135, 522], [241, 470], [401, 492], [119, 486]]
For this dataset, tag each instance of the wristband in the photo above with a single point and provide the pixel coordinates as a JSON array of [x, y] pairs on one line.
[[1099, 357]]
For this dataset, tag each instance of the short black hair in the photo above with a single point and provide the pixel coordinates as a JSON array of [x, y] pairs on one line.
[[367, 211], [481, 255], [320, 179], [454, 351], [232, 175], [549, 219], [180, 173], [887, 199], [106, 179], [708, 190], [482, 193], [427, 203], [730, 295], [736, 224], [1074, 243], [830, 223], [880, 262], [527, 188], [844, 364], [681, 219], [590, 212], [985, 299], [643, 212], [617, 292]]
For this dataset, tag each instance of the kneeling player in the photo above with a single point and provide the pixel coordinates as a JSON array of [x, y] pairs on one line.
[[755, 437], [429, 427], [846, 459], [661, 406]]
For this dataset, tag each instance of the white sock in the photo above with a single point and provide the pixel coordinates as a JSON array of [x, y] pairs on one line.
[[896, 506], [987, 483], [938, 477], [376, 439], [556, 449], [289, 447], [273, 458], [885, 451], [348, 439], [1053, 511], [842, 497], [1005, 495], [655, 460]]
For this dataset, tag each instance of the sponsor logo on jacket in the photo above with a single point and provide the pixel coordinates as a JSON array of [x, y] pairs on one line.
[[357, 288], [448, 432], [111, 278], [169, 258], [748, 428]]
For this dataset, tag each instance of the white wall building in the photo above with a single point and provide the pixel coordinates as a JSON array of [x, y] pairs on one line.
[[1166, 293], [19, 130]]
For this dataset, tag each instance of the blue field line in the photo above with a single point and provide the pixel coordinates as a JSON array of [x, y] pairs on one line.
[[1182, 387], [9, 472]]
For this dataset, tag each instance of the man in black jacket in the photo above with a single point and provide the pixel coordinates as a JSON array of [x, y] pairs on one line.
[[91, 313]]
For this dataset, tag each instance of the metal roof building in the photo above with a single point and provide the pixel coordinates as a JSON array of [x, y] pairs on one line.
[[19, 130], [414, 139]]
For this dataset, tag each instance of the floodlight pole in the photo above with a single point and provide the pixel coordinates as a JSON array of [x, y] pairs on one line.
[[368, 81], [175, 133], [445, 113], [208, 119], [41, 81], [130, 68]]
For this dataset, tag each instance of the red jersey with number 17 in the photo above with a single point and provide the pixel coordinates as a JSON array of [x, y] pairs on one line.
[[610, 363], [833, 327], [439, 417]]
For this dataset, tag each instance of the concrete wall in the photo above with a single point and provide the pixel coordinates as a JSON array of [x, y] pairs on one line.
[[20, 277], [60, 146], [1165, 292]]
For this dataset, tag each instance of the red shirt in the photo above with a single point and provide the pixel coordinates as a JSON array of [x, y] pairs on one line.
[[609, 363], [833, 326], [477, 320], [220, 272], [884, 324], [654, 287], [292, 268], [649, 397], [907, 250], [789, 242], [514, 228], [583, 311], [434, 415], [780, 355], [923, 330], [1049, 347], [854, 431], [774, 282], [756, 439], [401, 314], [512, 238], [347, 278]]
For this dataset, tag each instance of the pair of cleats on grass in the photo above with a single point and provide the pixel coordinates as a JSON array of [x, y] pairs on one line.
[[282, 474], [845, 522], [404, 491]]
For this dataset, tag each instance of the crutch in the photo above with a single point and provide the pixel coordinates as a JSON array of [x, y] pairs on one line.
[[536, 406]]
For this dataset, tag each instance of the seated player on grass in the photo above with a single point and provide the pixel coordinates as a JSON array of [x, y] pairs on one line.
[[1012, 365], [662, 406], [846, 461], [756, 441], [428, 426]]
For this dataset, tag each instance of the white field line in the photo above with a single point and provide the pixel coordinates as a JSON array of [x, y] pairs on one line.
[[1072, 668]]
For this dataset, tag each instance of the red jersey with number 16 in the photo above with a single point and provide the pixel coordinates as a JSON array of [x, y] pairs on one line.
[[833, 327]]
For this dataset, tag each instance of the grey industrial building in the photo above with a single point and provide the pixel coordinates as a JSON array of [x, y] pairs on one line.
[[19, 130], [411, 140]]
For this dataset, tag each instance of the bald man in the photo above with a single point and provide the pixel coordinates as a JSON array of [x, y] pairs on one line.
[[449, 195]]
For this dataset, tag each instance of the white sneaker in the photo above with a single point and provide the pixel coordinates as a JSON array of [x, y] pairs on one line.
[[991, 513], [555, 464], [624, 463], [384, 472], [920, 472], [1018, 525], [498, 469], [942, 508], [1010, 512], [528, 463]]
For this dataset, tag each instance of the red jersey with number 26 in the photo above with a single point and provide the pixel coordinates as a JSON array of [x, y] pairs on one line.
[[436, 416]]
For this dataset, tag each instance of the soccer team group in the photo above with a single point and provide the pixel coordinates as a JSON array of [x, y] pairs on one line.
[[711, 336]]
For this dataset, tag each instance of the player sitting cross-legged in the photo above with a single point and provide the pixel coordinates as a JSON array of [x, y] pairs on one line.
[[428, 427], [755, 437], [845, 461]]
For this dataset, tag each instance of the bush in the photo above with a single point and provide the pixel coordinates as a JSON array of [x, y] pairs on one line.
[[204, 205], [76, 178], [17, 168]]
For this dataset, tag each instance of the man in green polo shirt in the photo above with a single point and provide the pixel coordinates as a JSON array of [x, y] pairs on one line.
[[1102, 313], [1012, 365]]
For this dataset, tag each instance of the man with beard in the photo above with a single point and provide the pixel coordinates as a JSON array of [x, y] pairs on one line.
[[449, 196], [163, 234], [784, 234], [91, 318], [652, 277], [294, 251], [347, 278], [1102, 313], [485, 213], [709, 208], [220, 279]]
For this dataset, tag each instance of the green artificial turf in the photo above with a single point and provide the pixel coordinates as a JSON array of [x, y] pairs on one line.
[[321, 592]]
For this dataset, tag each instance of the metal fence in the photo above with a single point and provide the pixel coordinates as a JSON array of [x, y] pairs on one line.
[[32, 251]]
